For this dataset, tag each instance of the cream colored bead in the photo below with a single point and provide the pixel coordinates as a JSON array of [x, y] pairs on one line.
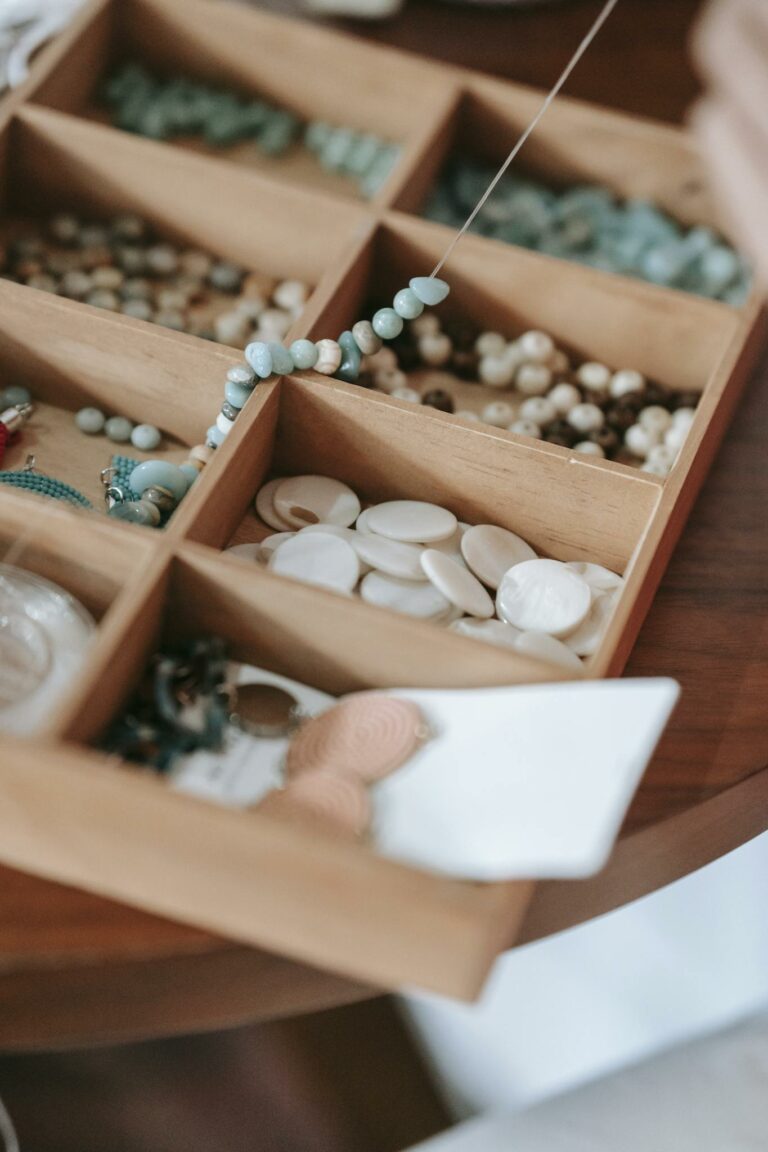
[[328, 357], [589, 448], [540, 409], [533, 379], [525, 428], [425, 325], [465, 414], [537, 347], [198, 465], [435, 350], [490, 344], [291, 295], [640, 440], [594, 377], [655, 418], [675, 437], [224, 424], [564, 397], [662, 454], [684, 417], [409, 394], [498, 413], [390, 379], [655, 469], [586, 418], [384, 358], [275, 320], [496, 371], [366, 339], [201, 452], [625, 382]]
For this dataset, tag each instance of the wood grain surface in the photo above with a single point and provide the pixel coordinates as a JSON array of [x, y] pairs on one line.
[[76, 969]]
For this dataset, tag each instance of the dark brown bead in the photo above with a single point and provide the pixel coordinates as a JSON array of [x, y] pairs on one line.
[[684, 400], [408, 357], [561, 432], [462, 335], [654, 394], [365, 380], [607, 438], [464, 364], [621, 416], [438, 398]]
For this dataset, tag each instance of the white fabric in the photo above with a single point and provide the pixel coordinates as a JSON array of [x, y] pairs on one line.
[[710, 1096]]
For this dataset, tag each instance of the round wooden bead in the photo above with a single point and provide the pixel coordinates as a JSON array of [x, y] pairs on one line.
[[490, 552], [328, 357], [301, 500], [438, 398], [318, 558], [543, 596], [365, 337], [457, 584]]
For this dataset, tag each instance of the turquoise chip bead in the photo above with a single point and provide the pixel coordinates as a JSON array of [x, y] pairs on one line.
[[215, 436], [236, 394], [349, 369], [159, 473], [429, 289], [387, 324], [304, 353], [259, 357], [282, 361], [336, 149], [407, 304], [191, 473]]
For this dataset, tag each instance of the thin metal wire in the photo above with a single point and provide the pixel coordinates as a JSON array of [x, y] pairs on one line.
[[7, 1131], [555, 91]]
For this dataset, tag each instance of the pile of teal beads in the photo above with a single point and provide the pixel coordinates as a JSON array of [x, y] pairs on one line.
[[588, 225], [156, 488], [162, 109], [31, 481]]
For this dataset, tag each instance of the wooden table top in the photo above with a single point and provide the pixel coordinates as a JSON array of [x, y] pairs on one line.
[[75, 968]]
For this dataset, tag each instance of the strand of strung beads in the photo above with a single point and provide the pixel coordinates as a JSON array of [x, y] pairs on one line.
[[161, 485]]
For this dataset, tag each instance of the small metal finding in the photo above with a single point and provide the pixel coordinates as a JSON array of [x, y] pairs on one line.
[[113, 493]]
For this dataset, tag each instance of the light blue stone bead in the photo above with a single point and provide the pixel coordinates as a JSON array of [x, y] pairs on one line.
[[145, 437], [119, 429], [242, 374], [259, 357], [362, 155], [407, 304], [349, 369], [282, 361], [719, 268], [429, 289], [89, 420], [278, 133], [161, 473], [236, 394], [316, 135], [16, 394], [136, 512], [215, 436], [304, 354], [387, 324], [337, 148], [190, 472]]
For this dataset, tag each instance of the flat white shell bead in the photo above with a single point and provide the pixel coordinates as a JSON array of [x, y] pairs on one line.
[[249, 551], [318, 558], [265, 508], [543, 596], [544, 647], [421, 600], [457, 584], [586, 639], [390, 556], [598, 577], [491, 551], [302, 500], [491, 631], [412, 521], [271, 544]]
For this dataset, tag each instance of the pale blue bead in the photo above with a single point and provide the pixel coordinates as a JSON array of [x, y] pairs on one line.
[[337, 148], [259, 357], [90, 421], [118, 429], [387, 324], [136, 512], [282, 361], [719, 268], [16, 394], [304, 353], [191, 473], [242, 374], [236, 394], [407, 304], [215, 436], [429, 289], [145, 437], [362, 155], [161, 473]]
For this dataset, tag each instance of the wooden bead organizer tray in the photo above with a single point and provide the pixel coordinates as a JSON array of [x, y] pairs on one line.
[[69, 813]]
